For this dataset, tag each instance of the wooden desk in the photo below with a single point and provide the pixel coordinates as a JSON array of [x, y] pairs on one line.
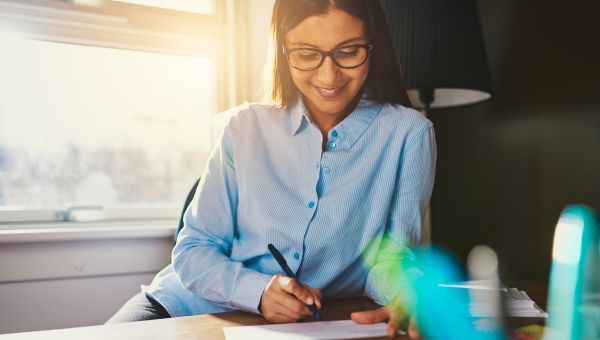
[[208, 326]]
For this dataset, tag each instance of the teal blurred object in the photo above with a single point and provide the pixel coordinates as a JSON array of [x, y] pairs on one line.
[[444, 313], [574, 313]]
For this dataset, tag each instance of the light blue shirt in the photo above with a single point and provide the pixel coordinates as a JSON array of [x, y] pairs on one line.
[[327, 212]]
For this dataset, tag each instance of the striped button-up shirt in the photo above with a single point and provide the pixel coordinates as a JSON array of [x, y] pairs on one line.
[[328, 212]]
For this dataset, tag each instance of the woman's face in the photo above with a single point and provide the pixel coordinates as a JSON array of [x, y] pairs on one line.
[[329, 90]]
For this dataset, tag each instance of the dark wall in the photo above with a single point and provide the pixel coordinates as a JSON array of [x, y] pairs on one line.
[[507, 167]]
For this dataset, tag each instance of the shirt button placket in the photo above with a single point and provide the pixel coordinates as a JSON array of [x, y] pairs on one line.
[[332, 143]]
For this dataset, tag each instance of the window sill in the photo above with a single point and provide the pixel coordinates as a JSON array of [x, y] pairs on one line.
[[75, 231]]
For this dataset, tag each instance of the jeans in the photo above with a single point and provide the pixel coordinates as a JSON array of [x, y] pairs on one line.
[[139, 308]]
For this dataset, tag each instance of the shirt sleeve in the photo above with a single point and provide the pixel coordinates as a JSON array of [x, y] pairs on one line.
[[201, 254], [393, 262]]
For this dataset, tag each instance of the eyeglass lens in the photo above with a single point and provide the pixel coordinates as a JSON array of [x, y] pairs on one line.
[[309, 59]]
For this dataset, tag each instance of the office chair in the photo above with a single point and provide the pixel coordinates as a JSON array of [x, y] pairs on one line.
[[188, 200]]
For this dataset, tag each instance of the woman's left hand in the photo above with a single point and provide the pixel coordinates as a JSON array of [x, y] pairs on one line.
[[394, 316]]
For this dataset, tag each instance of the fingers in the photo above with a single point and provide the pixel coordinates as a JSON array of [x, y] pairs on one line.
[[301, 292], [378, 315], [413, 329], [316, 294], [393, 327], [292, 307], [384, 314], [285, 300]]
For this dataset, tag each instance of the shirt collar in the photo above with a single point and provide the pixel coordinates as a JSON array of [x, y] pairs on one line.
[[348, 131], [299, 118]]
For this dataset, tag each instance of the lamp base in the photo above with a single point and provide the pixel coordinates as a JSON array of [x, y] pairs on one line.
[[444, 98]]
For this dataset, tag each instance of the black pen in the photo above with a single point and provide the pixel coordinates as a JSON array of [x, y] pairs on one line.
[[283, 263]]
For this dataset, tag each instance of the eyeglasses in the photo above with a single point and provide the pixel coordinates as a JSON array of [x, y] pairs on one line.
[[308, 59]]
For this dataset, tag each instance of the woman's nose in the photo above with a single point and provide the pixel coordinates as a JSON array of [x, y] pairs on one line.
[[328, 72]]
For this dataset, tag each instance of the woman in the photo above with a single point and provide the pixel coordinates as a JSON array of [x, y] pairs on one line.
[[340, 164]]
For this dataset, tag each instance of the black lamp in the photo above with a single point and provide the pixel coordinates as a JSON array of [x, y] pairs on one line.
[[441, 49]]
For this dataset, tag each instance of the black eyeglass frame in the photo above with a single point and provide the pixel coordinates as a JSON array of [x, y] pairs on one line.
[[325, 54]]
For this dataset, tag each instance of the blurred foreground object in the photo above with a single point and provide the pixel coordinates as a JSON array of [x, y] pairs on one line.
[[444, 313], [573, 296]]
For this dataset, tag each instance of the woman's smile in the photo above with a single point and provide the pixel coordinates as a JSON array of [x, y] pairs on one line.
[[329, 93]]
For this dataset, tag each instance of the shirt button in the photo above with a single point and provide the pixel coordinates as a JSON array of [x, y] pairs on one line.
[[296, 256], [311, 205], [331, 145], [334, 133], [326, 170]]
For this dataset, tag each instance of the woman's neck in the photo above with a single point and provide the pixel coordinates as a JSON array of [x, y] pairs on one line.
[[324, 121]]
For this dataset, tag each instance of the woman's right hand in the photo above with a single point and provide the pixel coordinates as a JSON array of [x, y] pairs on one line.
[[285, 300]]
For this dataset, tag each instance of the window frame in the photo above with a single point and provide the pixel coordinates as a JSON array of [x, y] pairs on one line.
[[130, 27]]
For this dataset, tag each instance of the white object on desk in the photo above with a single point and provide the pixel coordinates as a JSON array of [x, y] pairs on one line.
[[476, 284], [517, 303], [345, 329]]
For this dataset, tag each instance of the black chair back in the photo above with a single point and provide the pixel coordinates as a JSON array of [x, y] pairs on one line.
[[188, 200]]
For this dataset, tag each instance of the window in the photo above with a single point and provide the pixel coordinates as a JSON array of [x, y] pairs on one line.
[[192, 6], [104, 109]]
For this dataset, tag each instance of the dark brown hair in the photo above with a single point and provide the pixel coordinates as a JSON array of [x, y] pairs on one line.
[[384, 82]]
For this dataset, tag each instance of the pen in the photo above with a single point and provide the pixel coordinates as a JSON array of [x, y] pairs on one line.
[[283, 264]]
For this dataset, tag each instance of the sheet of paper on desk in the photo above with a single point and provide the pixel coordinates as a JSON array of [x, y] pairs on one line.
[[345, 329]]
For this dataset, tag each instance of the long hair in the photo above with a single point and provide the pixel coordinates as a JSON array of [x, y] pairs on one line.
[[384, 82]]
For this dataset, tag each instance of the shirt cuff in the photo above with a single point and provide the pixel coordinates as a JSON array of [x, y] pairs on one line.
[[249, 291]]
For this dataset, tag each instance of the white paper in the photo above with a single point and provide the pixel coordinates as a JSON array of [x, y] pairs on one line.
[[476, 284], [516, 302], [345, 329], [483, 311]]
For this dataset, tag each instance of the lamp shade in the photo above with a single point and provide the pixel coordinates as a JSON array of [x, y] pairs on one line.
[[441, 49]]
